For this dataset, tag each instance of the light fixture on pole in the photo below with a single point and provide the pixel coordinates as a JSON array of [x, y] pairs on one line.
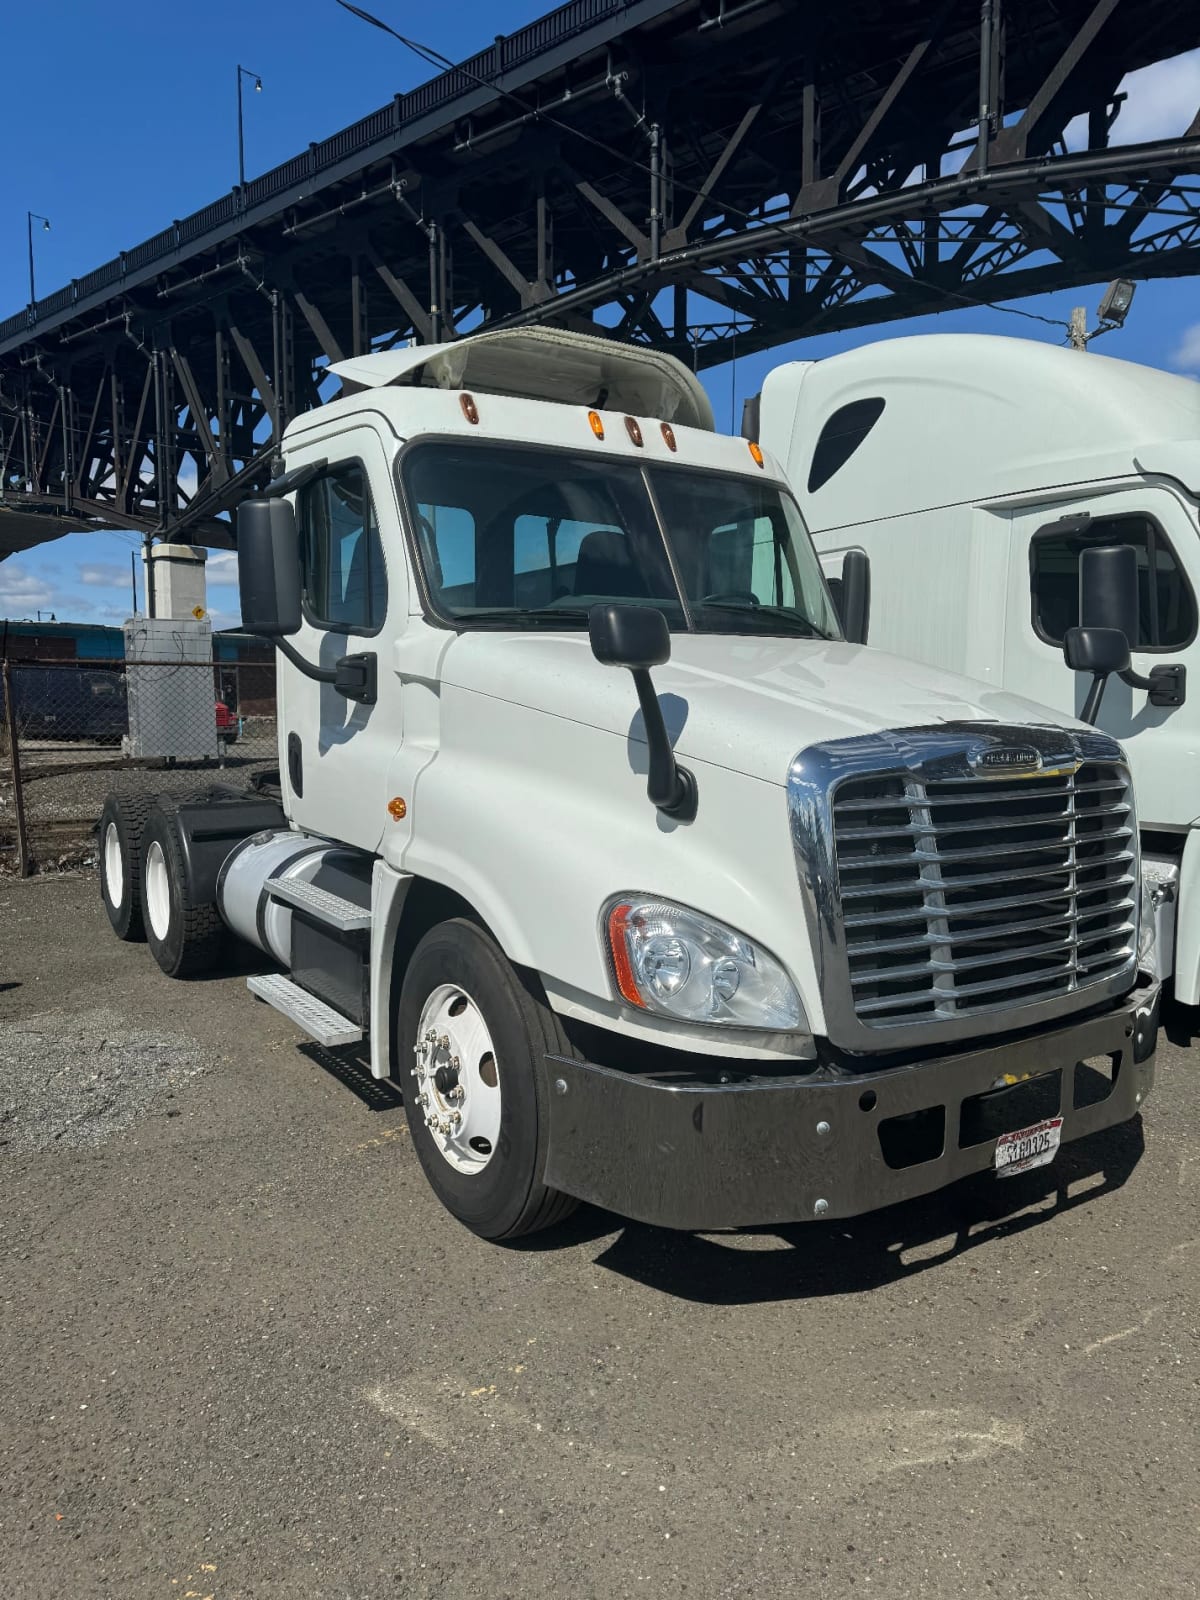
[[30, 218], [244, 72]]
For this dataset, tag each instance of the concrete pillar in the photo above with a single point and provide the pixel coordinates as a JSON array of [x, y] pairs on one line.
[[179, 586]]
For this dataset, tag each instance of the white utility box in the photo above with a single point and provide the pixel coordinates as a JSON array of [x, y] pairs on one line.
[[172, 702]]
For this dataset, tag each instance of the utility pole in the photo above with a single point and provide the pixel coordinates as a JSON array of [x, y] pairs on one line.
[[1077, 331]]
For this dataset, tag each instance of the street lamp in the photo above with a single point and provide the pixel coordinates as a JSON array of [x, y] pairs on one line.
[[31, 217], [244, 72]]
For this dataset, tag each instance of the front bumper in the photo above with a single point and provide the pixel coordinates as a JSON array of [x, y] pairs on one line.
[[770, 1150]]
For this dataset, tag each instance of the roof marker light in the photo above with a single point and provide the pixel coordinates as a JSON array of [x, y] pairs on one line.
[[668, 433], [755, 451], [597, 423], [634, 431], [469, 409]]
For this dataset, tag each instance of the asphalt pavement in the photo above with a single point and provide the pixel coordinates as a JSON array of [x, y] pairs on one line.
[[244, 1353]]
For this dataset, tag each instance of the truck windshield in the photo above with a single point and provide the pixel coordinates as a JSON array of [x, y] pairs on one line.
[[514, 537]]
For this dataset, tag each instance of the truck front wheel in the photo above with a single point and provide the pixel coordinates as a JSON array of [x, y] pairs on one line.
[[471, 1037]]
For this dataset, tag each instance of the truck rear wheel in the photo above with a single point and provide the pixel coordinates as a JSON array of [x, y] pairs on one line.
[[470, 1037], [121, 824], [186, 937]]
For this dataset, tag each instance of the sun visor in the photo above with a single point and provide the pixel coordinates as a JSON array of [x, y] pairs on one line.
[[544, 364]]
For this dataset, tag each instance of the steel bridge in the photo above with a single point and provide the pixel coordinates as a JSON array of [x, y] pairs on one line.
[[710, 176]]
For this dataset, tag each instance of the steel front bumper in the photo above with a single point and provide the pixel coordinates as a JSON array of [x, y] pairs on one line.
[[769, 1149]]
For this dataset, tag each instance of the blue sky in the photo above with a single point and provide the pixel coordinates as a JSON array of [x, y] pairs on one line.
[[132, 121]]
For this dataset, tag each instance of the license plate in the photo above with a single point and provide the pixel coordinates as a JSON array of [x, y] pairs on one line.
[[1026, 1148]]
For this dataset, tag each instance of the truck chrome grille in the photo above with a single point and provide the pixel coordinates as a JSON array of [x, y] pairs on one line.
[[963, 895]]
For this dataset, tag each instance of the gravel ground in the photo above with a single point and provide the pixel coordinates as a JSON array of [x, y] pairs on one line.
[[75, 1079], [244, 1354]]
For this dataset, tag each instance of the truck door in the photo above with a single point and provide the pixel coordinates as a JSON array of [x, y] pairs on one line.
[[1044, 602], [335, 752]]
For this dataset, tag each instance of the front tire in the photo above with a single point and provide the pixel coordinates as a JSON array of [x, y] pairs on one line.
[[121, 824], [471, 1038], [186, 937]]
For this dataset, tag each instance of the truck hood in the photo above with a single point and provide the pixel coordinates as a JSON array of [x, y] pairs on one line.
[[745, 704]]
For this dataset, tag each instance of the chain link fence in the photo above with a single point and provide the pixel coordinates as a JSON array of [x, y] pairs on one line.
[[72, 730]]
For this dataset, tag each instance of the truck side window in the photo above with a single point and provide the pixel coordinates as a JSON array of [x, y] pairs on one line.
[[841, 436], [341, 557], [1166, 607]]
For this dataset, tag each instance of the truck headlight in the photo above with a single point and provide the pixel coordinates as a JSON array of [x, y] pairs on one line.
[[680, 964]]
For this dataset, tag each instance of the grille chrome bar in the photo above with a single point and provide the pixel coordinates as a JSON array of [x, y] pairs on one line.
[[916, 855]]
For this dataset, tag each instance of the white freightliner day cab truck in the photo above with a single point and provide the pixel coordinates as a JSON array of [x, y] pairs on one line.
[[794, 929], [1004, 493]]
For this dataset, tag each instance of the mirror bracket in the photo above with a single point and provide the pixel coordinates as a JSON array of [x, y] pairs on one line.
[[1166, 686]]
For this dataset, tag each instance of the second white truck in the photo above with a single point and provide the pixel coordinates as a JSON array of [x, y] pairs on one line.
[[1004, 492], [645, 884]]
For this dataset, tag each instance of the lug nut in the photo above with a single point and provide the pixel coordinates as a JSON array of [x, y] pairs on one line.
[[822, 1128], [820, 1207]]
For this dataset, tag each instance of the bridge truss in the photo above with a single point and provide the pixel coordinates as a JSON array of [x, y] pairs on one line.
[[709, 176]]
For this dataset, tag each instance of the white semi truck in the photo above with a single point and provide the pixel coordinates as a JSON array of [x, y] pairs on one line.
[[791, 929], [1004, 492]]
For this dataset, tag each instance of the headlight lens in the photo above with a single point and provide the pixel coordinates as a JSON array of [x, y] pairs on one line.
[[680, 964]]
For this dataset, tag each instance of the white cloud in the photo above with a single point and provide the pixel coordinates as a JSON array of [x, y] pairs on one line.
[[222, 567], [1163, 99], [1186, 354], [104, 575], [1160, 102], [24, 591]]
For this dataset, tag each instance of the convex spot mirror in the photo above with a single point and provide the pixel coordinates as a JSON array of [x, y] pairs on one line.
[[636, 637], [1098, 650], [268, 547]]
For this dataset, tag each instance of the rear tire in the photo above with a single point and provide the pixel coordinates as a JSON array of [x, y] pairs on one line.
[[487, 1168], [121, 824], [186, 937]]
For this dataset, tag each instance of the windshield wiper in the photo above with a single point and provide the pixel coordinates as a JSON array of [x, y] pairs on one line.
[[524, 616], [799, 623]]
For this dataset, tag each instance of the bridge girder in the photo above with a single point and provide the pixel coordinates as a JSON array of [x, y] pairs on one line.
[[710, 178]]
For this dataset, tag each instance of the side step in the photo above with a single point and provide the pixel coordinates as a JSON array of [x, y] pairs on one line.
[[331, 909], [319, 1021]]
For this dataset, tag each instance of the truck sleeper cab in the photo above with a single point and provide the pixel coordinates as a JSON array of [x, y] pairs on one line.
[[978, 476], [647, 886]]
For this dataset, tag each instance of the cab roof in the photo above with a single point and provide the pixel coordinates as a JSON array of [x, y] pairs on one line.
[[970, 417], [543, 364]]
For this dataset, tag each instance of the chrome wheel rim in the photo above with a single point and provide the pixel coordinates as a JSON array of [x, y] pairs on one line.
[[457, 1079]]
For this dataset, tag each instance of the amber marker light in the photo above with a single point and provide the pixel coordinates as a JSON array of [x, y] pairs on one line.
[[469, 409], [397, 809], [756, 451], [618, 919], [596, 422], [668, 433], [634, 431]]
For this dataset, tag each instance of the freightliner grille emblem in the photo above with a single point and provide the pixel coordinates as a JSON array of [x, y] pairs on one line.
[[1017, 759]]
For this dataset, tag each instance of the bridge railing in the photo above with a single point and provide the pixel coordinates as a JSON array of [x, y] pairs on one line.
[[508, 51]]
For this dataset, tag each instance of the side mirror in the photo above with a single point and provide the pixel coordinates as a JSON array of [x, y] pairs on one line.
[[268, 549], [854, 596], [1100, 651], [1108, 590], [637, 637]]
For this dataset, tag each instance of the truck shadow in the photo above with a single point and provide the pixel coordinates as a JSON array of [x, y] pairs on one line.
[[810, 1260]]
